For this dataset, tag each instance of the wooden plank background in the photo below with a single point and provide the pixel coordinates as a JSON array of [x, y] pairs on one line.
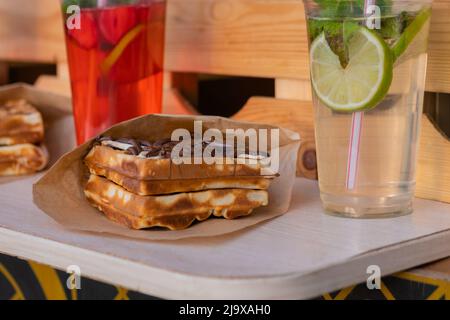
[[240, 37], [230, 37], [31, 31], [268, 39], [438, 76]]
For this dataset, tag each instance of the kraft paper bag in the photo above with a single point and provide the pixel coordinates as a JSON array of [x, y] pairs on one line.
[[60, 192]]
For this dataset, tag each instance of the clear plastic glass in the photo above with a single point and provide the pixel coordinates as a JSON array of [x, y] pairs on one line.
[[116, 58], [389, 131]]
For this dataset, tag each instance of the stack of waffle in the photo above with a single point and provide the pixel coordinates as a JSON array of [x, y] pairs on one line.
[[135, 183], [21, 139]]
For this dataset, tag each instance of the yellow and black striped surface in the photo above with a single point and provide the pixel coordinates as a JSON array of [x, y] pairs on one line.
[[26, 280], [21, 280]]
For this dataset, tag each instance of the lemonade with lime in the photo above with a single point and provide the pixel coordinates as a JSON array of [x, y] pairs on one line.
[[368, 79]]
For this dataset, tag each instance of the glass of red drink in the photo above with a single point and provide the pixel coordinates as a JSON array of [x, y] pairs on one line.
[[116, 54]]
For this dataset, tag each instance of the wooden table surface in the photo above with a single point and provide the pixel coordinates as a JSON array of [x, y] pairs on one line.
[[299, 255]]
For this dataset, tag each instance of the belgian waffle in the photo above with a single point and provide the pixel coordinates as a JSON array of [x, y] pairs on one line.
[[152, 161], [20, 123], [138, 184], [22, 159], [176, 211], [160, 187], [21, 137]]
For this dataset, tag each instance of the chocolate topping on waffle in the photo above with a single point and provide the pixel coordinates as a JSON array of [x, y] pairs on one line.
[[162, 142], [163, 148]]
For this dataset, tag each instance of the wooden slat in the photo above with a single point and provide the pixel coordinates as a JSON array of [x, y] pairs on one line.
[[173, 101], [54, 84], [238, 37], [31, 31], [433, 173], [268, 39], [438, 76], [290, 114], [293, 89]]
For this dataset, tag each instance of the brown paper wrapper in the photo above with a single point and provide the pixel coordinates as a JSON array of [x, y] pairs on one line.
[[56, 112], [60, 192]]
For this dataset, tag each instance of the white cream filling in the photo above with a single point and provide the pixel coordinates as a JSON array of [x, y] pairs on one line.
[[251, 156], [117, 145], [33, 118]]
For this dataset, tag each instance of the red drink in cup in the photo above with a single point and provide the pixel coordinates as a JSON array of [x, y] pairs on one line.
[[115, 60]]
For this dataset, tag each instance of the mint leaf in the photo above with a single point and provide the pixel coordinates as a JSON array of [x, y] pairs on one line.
[[337, 33], [349, 28], [316, 27], [391, 29]]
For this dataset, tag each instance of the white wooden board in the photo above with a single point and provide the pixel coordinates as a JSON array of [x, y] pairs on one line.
[[299, 255]]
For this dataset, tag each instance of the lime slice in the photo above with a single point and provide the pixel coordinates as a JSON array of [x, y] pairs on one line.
[[411, 33], [115, 54], [363, 83]]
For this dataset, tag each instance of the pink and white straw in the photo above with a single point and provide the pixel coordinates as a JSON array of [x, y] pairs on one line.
[[355, 136], [353, 150]]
